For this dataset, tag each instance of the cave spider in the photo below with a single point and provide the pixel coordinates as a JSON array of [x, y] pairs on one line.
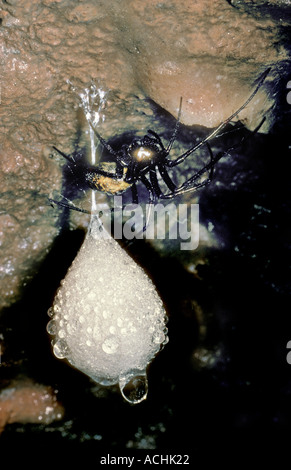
[[140, 161]]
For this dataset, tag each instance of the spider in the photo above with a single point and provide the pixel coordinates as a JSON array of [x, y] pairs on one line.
[[140, 161]]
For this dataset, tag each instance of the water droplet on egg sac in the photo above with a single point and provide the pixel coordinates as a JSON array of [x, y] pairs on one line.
[[51, 327], [60, 349], [108, 334], [110, 345], [50, 312], [134, 386]]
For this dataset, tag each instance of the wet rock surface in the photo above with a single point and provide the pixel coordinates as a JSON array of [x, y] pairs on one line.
[[225, 366], [26, 402]]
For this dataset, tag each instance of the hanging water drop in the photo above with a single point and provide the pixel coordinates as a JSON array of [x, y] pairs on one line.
[[134, 386], [50, 312], [60, 349]]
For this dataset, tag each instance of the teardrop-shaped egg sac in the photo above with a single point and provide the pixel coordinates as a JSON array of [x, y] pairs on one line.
[[107, 317]]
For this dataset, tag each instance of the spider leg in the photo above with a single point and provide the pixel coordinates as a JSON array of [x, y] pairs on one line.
[[67, 157], [103, 142], [151, 201], [209, 167], [188, 185], [134, 194], [212, 163], [165, 175], [182, 157], [154, 183], [71, 160], [233, 6], [174, 135], [67, 206], [157, 137], [152, 196], [78, 209]]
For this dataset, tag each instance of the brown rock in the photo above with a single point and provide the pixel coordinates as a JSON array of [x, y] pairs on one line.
[[27, 402]]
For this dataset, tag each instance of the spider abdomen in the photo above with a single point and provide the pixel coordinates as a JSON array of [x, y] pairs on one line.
[[107, 184]]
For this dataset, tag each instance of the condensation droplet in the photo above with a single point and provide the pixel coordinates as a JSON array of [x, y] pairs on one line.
[[166, 340], [110, 345], [158, 338], [60, 349], [51, 327], [134, 386], [50, 312]]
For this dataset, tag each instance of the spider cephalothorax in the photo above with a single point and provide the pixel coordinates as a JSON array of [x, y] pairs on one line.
[[146, 158], [144, 151]]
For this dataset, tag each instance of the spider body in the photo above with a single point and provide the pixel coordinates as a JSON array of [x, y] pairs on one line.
[[145, 159], [132, 163], [106, 184]]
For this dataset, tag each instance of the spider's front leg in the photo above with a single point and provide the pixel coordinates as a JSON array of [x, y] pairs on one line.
[[191, 184], [214, 133]]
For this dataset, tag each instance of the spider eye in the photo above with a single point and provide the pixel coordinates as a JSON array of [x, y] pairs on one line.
[[143, 153]]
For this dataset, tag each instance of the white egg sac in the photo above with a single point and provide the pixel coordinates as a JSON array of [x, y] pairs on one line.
[[108, 319]]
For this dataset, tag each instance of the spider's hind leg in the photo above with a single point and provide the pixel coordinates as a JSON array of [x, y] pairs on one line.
[[67, 205], [191, 184]]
